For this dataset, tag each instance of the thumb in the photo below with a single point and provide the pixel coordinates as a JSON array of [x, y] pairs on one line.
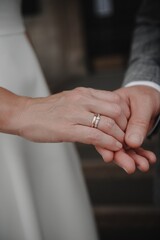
[[137, 127]]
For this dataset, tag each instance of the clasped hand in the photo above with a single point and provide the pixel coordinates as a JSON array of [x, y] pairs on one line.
[[126, 115], [144, 107]]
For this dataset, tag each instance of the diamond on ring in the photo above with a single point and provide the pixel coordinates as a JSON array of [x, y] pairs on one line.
[[96, 120]]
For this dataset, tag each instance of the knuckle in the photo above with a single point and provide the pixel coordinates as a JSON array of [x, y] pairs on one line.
[[76, 94], [117, 111], [114, 97], [83, 96], [140, 123], [117, 98], [80, 89]]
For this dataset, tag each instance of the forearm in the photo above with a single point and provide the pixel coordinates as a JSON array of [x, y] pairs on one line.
[[144, 62], [66, 117]]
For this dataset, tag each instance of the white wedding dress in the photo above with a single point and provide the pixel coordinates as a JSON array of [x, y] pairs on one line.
[[42, 191]]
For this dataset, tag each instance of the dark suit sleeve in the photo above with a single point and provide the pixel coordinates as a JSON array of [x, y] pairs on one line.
[[144, 62]]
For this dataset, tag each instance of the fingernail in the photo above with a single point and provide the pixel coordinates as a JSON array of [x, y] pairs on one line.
[[125, 170], [119, 145], [135, 138]]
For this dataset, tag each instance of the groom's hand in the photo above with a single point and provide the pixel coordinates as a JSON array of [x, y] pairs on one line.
[[144, 104]]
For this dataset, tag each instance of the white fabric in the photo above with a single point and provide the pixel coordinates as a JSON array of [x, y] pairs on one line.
[[10, 17], [42, 190], [146, 83]]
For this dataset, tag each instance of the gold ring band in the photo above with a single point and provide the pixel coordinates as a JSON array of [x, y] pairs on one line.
[[96, 119]]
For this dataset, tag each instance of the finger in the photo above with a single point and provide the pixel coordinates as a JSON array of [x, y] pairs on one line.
[[104, 95], [96, 101], [123, 160], [125, 108], [141, 162], [147, 154], [106, 125], [93, 136], [110, 110], [105, 153], [123, 103], [112, 97], [138, 125], [109, 126]]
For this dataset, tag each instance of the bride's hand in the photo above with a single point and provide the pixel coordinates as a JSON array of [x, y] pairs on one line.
[[68, 116]]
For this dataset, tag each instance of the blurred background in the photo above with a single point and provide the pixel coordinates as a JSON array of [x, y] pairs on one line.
[[87, 43]]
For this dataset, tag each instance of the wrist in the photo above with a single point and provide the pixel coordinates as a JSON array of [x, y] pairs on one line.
[[17, 121], [11, 107]]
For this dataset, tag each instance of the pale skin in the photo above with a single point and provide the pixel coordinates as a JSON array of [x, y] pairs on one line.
[[144, 105], [67, 116]]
